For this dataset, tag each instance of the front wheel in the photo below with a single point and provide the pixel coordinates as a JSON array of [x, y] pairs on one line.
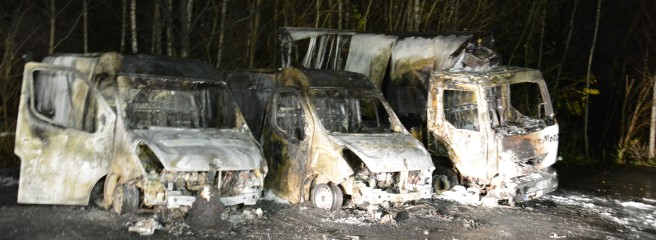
[[441, 184], [327, 196], [444, 180], [126, 199]]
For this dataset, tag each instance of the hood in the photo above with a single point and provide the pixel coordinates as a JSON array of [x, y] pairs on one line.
[[392, 152], [195, 149]]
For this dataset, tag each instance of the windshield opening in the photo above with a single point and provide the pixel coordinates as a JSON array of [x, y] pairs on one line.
[[194, 106], [519, 105], [350, 111]]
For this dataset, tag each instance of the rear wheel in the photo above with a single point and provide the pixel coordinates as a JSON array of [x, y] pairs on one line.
[[126, 199], [327, 196]]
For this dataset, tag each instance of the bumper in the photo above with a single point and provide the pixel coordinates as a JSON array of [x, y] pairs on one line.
[[535, 185], [378, 196], [246, 199], [176, 201]]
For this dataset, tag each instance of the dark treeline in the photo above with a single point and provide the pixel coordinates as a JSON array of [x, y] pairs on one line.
[[596, 55]]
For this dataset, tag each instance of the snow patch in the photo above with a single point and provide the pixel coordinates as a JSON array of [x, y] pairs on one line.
[[634, 215], [462, 195], [347, 220], [270, 196], [649, 200], [638, 205]]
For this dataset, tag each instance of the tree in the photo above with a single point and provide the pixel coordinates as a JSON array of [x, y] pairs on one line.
[[133, 25], [587, 82]]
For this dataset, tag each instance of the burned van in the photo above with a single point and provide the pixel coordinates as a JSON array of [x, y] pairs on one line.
[[488, 127], [161, 131], [330, 134]]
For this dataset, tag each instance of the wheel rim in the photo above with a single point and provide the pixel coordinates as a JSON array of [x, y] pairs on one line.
[[323, 196]]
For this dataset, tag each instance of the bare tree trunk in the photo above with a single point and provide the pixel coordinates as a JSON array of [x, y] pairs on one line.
[[255, 23], [53, 28], [133, 25], [285, 5], [85, 13], [219, 53], [340, 14], [317, 16], [430, 14], [417, 16], [124, 24], [275, 13], [521, 38], [186, 7], [567, 42], [366, 16], [156, 47], [586, 140], [390, 15], [169, 28], [215, 25], [542, 25], [347, 14], [652, 122]]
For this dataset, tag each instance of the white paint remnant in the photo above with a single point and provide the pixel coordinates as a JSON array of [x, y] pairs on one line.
[[145, 227], [270, 196]]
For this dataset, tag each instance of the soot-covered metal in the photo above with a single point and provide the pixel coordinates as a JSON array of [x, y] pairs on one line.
[[487, 126], [162, 132], [330, 134]]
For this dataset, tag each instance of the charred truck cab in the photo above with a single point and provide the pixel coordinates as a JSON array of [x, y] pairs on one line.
[[497, 127], [488, 127], [330, 134], [163, 132]]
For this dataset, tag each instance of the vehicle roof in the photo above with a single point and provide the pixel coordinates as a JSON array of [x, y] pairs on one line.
[[168, 67], [150, 65], [493, 76], [322, 78]]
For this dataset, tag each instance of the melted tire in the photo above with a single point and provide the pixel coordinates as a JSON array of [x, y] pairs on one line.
[[126, 199], [441, 184]]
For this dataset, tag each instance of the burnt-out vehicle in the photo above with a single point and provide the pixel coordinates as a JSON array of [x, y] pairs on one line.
[[487, 126], [160, 131], [330, 135]]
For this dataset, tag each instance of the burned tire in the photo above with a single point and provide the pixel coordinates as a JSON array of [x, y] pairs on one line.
[[327, 196], [441, 184], [126, 199], [444, 179]]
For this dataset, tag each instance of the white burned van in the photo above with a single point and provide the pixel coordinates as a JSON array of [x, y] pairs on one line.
[[160, 130]]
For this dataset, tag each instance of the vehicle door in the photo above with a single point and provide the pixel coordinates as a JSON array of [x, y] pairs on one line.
[[64, 136], [286, 143], [462, 128]]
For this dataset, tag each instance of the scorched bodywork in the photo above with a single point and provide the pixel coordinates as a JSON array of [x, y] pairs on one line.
[[327, 134], [161, 131]]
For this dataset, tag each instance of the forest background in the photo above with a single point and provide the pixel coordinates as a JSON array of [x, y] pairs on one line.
[[597, 56]]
